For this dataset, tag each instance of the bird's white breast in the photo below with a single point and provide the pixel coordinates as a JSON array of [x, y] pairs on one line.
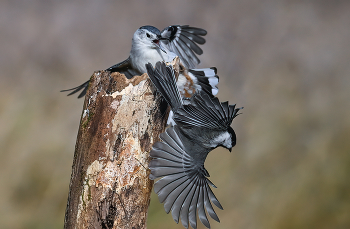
[[142, 55]]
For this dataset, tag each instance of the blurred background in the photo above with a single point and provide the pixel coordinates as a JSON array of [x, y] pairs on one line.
[[286, 62]]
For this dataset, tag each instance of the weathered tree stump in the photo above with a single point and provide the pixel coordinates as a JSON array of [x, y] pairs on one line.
[[109, 186]]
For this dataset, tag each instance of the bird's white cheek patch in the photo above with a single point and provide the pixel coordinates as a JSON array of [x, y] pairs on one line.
[[223, 139]]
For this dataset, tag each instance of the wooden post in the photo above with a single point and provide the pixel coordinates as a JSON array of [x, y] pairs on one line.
[[109, 185]]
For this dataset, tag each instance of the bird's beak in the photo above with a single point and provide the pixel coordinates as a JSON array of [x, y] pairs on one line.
[[157, 43], [230, 149]]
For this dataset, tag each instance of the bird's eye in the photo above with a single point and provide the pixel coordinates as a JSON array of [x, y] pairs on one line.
[[147, 34]]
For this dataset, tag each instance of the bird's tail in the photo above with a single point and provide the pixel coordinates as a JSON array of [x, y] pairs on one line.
[[163, 78]]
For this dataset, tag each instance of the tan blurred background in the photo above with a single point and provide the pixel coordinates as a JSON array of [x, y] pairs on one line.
[[287, 62]]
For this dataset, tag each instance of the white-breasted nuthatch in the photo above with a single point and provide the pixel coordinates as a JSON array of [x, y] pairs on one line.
[[150, 45]]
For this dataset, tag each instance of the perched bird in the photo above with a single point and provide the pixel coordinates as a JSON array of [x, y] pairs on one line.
[[150, 45], [202, 124]]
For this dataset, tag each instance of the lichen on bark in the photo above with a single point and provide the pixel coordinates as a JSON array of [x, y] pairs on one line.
[[109, 185]]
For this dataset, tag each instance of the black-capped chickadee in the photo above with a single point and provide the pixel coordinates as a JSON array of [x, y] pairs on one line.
[[202, 124]]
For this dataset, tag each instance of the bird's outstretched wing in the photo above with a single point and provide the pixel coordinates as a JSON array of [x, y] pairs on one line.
[[205, 111], [123, 67], [183, 40], [184, 188]]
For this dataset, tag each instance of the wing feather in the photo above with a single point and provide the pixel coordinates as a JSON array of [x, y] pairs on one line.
[[123, 67], [183, 41], [192, 216], [184, 186], [208, 206], [82, 87], [200, 206], [194, 37]]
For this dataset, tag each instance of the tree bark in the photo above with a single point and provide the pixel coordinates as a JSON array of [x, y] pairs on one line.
[[109, 185]]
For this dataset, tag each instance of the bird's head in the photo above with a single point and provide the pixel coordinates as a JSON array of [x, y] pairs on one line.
[[226, 139], [232, 138], [148, 36]]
